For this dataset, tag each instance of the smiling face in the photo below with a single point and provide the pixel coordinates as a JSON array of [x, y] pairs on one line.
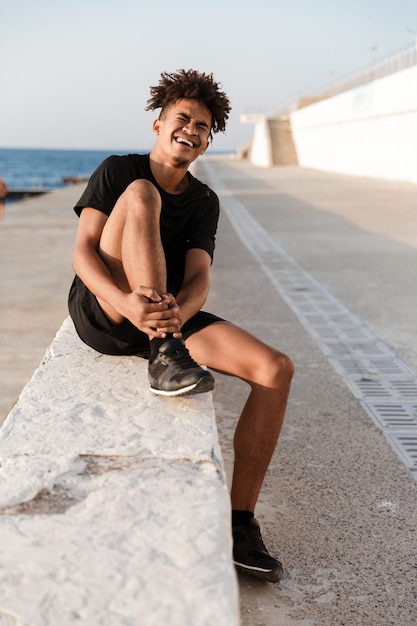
[[183, 131]]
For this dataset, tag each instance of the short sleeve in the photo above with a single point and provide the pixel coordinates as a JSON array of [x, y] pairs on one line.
[[203, 231], [105, 186]]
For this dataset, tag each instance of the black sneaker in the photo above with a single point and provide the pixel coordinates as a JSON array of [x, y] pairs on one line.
[[250, 554], [173, 372]]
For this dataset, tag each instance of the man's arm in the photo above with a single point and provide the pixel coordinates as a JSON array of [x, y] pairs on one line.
[[196, 283], [86, 260]]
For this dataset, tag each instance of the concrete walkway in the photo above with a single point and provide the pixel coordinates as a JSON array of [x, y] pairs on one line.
[[36, 240], [338, 503], [329, 266]]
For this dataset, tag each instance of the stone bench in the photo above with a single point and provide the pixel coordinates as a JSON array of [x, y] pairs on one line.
[[113, 504]]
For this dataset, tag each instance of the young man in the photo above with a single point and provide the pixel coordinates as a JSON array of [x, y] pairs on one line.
[[142, 259]]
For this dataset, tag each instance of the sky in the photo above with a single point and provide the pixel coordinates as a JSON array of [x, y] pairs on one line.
[[76, 74]]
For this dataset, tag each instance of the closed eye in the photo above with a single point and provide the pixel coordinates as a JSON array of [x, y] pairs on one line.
[[183, 117]]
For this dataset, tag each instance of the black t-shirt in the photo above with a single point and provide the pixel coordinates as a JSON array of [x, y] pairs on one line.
[[188, 220]]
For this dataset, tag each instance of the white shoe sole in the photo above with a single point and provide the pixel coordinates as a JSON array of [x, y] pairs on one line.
[[205, 386]]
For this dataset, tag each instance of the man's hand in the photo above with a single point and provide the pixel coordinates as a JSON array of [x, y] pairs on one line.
[[153, 313], [174, 309]]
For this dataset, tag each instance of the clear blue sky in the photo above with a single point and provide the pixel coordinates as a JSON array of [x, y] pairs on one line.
[[76, 74]]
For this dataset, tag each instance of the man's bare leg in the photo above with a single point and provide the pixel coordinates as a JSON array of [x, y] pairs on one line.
[[130, 243], [225, 348]]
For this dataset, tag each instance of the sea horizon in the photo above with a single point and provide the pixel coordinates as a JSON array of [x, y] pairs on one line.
[[46, 168]]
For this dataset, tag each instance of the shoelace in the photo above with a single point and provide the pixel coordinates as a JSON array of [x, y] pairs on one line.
[[181, 358]]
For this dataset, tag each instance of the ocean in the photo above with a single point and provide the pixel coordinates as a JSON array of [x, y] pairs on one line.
[[37, 169]]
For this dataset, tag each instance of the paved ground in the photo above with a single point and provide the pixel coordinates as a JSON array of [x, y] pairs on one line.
[[338, 503], [36, 239]]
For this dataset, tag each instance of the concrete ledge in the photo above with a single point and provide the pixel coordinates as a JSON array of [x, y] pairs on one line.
[[113, 504]]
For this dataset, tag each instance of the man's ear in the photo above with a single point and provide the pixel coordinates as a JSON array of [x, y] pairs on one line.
[[156, 126], [207, 145]]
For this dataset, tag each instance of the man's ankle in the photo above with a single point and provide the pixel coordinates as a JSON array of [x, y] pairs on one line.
[[156, 343], [241, 518]]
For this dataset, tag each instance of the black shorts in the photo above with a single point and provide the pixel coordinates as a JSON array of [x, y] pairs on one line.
[[98, 332]]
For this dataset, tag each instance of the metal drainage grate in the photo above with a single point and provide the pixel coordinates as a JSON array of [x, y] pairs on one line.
[[342, 349], [405, 444], [369, 367], [365, 388], [390, 415], [334, 332], [405, 388]]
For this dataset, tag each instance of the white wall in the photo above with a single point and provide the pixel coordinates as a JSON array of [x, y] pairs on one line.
[[261, 150], [368, 131]]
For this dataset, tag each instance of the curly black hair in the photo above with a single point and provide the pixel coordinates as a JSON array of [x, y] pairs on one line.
[[191, 84]]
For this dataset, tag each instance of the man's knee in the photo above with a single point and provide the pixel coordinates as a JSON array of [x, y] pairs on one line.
[[287, 365], [142, 191], [280, 369]]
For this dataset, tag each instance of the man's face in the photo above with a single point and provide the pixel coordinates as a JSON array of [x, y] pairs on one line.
[[183, 130]]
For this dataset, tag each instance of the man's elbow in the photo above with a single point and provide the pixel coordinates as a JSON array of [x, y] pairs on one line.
[[76, 261]]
